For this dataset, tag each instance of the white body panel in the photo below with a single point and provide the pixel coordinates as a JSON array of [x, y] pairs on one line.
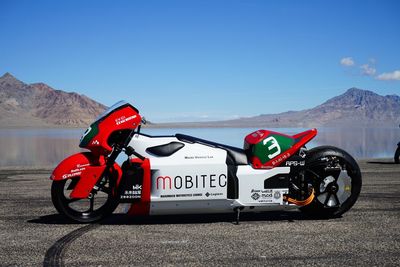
[[194, 179], [194, 172], [251, 186]]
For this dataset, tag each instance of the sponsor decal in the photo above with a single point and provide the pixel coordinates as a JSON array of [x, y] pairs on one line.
[[82, 165], [295, 163], [213, 194], [95, 142], [137, 187], [181, 195], [165, 180], [69, 175], [277, 195], [75, 172], [135, 193], [258, 133], [255, 196], [166, 196], [264, 195], [191, 182], [199, 157], [281, 158], [123, 119]]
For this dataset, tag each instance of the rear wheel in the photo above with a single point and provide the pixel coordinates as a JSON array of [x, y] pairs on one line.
[[91, 209], [336, 179], [397, 155]]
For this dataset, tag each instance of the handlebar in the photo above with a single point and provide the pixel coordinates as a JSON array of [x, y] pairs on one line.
[[113, 156], [119, 147], [131, 151]]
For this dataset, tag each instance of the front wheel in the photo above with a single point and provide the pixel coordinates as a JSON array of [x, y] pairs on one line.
[[91, 209], [397, 155], [336, 179]]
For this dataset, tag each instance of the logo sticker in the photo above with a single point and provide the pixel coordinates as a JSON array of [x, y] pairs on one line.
[[191, 181], [255, 196], [123, 119], [277, 195], [295, 163]]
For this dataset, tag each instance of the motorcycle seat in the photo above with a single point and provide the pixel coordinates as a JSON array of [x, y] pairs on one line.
[[238, 155], [165, 150]]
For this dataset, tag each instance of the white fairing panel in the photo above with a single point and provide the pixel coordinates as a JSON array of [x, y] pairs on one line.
[[194, 172], [251, 186], [194, 179]]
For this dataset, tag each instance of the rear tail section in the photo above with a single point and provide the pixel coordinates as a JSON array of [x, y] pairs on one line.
[[268, 149]]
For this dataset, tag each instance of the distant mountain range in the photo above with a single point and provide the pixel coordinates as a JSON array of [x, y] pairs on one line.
[[356, 107], [39, 105]]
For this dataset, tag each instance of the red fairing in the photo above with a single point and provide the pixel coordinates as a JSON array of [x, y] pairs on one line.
[[143, 207], [125, 118], [259, 135], [298, 140], [89, 178], [73, 166], [87, 168]]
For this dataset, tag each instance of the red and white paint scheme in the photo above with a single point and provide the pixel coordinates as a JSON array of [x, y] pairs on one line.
[[180, 174]]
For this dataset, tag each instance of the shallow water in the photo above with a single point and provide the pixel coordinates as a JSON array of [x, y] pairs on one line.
[[47, 147]]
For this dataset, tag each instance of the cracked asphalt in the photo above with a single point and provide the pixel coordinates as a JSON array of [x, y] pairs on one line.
[[33, 234]]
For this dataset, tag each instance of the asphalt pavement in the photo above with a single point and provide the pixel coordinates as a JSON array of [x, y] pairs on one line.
[[33, 234]]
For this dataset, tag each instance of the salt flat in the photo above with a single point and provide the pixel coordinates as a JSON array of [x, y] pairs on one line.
[[33, 234]]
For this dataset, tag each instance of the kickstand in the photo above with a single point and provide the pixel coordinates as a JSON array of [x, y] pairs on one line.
[[237, 210]]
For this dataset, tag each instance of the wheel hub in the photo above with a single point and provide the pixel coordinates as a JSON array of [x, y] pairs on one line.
[[333, 188], [334, 192]]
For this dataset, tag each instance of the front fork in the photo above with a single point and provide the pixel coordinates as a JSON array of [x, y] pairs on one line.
[[111, 172]]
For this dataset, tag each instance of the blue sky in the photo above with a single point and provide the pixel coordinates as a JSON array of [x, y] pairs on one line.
[[204, 60]]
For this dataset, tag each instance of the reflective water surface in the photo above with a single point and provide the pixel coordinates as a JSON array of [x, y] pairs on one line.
[[47, 147]]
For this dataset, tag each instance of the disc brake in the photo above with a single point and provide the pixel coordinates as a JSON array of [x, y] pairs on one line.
[[335, 191]]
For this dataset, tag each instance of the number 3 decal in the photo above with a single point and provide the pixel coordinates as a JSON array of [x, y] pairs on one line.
[[274, 144]]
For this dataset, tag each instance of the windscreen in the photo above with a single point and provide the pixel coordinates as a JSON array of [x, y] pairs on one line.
[[111, 109]]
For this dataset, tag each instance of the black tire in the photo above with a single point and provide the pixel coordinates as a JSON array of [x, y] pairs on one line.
[[397, 155], [99, 206], [333, 195]]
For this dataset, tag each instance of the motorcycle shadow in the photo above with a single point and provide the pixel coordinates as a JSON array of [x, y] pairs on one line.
[[123, 219]]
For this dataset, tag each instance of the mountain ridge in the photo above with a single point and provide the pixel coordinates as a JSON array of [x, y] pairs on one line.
[[39, 105], [355, 107]]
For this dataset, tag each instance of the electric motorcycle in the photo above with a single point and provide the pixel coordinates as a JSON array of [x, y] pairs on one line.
[[181, 174]]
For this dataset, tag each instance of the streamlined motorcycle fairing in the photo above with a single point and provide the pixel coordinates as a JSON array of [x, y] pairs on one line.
[[182, 174]]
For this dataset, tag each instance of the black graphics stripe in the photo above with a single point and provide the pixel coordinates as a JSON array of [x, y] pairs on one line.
[[233, 181], [54, 255]]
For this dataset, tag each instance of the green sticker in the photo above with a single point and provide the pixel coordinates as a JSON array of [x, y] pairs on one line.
[[88, 135], [271, 147]]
